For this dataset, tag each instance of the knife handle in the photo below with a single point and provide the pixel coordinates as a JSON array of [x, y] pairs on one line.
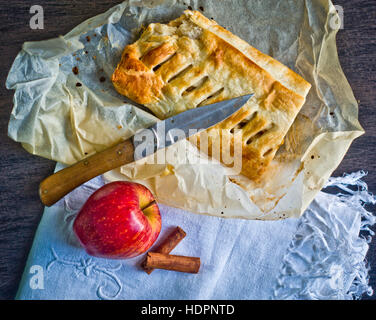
[[56, 186]]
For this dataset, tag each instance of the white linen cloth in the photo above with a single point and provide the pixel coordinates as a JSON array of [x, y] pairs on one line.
[[319, 256]]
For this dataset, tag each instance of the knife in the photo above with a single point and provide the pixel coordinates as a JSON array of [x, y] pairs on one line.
[[56, 186]]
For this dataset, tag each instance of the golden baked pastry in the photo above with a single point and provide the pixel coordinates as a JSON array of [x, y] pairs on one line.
[[192, 61]]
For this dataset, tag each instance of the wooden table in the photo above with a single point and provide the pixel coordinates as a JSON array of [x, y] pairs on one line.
[[20, 208]]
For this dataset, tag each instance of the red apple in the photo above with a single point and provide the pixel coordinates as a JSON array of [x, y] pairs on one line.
[[119, 220]]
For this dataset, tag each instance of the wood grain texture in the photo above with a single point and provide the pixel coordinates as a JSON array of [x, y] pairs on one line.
[[59, 184], [357, 52], [21, 173]]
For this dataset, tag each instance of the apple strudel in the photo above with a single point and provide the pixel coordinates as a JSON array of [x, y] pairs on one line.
[[191, 62]]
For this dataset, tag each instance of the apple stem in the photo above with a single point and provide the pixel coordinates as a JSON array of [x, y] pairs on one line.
[[149, 205]]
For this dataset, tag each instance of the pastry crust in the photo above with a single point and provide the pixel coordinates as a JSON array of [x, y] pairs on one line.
[[191, 62]]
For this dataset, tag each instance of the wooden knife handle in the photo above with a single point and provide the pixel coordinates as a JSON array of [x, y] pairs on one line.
[[56, 186]]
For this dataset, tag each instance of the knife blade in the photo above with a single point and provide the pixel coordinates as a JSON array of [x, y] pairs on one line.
[[56, 186]]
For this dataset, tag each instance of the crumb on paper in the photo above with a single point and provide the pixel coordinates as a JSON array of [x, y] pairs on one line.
[[78, 84], [102, 79], [75, 70], [88, 38]]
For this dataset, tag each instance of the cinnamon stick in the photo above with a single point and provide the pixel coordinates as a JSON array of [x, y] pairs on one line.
[[168, 244], [172, 262]]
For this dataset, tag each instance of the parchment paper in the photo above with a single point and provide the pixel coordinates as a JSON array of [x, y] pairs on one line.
[[66, 114]]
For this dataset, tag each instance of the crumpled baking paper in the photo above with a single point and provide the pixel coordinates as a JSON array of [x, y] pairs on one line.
[[65, 107]]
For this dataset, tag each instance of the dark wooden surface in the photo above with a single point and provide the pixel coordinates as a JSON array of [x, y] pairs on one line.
[[20, 208]]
